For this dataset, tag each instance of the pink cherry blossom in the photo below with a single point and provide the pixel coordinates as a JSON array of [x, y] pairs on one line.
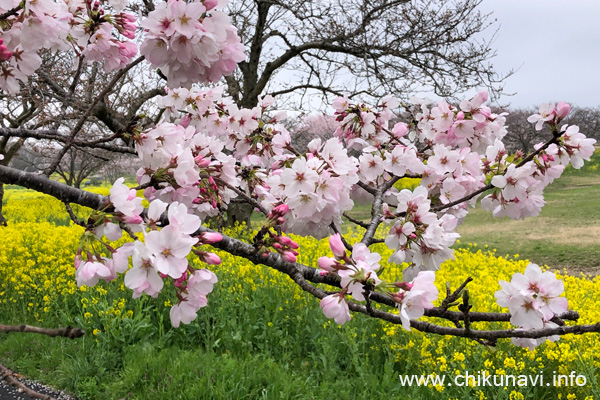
[[125, 200], [90, 272], [144, 276], [335, 306], [412, 303], [170, 246]]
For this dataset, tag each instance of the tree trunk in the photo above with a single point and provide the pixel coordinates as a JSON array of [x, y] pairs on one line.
[[2, 219], [239, 212]]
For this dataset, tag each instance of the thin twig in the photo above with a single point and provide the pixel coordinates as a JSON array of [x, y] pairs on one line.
[[52, 167], [451, 298], [240, 193], [355, 221], [10, 13], [73, 216]]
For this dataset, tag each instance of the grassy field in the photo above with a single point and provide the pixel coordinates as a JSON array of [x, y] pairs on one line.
[[565, 235]]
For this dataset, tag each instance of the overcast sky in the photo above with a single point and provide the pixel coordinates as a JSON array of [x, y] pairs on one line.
[[554, 44]]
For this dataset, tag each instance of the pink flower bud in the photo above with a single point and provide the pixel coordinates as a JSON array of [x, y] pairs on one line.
[[337, 247], [398, 297], [211, 258], [460, 116], [77, 261], [404, 285], [185, 121], [210, 4], [211, 237], [134, 219], [327, 264], [563, 109], [5, 55], [399, 130], [181, 280], [281, 210], [286, 241], [288, 256]]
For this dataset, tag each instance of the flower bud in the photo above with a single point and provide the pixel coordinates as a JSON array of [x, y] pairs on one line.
[[286, 241], [404, 285], [210, 258], [399, 130], [288, 256], [210, 4], [337, 247], [563, 109], [210, 237], [327, 264]]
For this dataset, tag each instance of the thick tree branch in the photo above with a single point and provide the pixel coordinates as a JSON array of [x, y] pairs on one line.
[[303, 274], [68, 332]]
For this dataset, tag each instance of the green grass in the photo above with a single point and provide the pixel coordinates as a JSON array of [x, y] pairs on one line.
[[249, 350]]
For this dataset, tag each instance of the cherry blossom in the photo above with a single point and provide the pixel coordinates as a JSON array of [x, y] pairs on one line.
[[533, 300], [335, 306], [413, 302]]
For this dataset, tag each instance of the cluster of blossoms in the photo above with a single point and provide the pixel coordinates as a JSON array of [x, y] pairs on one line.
[[315, 187], [99, 30], [162, 254], [361, 126], [519, 187], [268, 237], [419, 237], [191, 42], [183, 165], [533, 300], [358, 273], [254, 139], [208, 151], [472, 124]]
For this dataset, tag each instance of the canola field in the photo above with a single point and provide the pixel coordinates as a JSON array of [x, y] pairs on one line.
[[260, 336]]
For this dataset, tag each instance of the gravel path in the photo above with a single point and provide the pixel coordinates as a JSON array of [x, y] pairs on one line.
[[8, 392]]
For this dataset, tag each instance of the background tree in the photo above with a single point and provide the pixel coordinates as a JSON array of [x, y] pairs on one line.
[[72, 117], [523, 136], [361, 47]]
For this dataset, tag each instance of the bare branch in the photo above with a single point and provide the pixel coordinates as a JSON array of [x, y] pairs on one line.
[[68, 332]]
